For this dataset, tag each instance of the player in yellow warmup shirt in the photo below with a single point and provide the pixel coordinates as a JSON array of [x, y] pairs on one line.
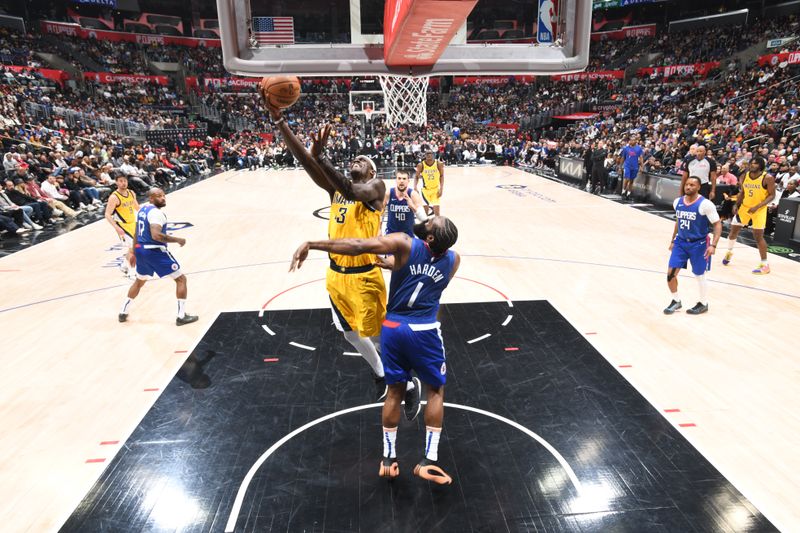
[[431, 172]]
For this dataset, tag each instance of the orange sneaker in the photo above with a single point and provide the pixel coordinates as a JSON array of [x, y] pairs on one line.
[[761, 270], [430, 471], [389, 468]]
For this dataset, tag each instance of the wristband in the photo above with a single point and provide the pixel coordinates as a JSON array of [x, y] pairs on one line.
[[421, 215]]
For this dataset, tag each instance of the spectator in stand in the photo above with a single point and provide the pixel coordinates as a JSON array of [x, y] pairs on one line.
[[8, 225], [21, 213], [41, 211], [53, 189], [725, 177], [32, 189]]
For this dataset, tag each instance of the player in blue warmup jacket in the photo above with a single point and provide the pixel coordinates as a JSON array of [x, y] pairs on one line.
[[410, 337]]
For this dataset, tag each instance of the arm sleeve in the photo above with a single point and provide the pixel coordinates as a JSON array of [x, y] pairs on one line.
[[712, 165], [709, 210]]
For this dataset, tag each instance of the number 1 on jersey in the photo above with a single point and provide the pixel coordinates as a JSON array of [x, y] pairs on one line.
[[414, 294]]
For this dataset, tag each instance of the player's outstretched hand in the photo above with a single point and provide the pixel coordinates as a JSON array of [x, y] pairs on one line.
[[386, 263], [299, 256], [320, 140]]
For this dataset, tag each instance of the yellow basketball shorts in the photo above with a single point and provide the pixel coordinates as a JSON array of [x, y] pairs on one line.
[[358, 301], [758, 219], [431, 196]]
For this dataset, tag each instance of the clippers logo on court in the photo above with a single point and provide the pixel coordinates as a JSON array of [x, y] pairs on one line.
[[523, 192], [547, 15]]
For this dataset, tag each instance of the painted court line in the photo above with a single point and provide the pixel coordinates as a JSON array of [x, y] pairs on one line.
[[109, 442], [266, 328], [237, 504], [303, 346], [270, 359], [353, 354], [507, 320], [95, 460], [512, 349], [476, 339]]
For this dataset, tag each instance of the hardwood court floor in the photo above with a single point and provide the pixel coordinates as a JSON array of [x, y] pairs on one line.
[[75, 379]]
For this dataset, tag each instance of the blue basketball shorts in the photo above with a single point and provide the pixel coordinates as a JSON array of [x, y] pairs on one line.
[[154, 263], [417, 347], [694, 252], [630, 173]]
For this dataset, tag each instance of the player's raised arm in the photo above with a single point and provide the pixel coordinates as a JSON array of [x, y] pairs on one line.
[[398, 244], [364, 187], [299, 151]]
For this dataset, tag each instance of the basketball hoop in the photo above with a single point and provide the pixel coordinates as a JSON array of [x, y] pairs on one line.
[[368, 113], [405, 99]]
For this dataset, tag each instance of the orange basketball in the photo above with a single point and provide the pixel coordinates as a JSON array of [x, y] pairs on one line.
[[281, 91]]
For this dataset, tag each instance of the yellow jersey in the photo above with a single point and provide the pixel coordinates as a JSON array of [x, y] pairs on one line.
[[430, 176], [125, 212], [351, 219], [754, 190]]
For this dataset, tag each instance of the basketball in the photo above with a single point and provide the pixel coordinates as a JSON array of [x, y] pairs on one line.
[[281, 91]]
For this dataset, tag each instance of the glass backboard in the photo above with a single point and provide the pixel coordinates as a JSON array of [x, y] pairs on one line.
[[345, 38]]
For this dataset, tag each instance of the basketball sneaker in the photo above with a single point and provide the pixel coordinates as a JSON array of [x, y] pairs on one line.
[[380, 388], [122, 317], [673, 306], [187, 319], [761, 270], [698, 309], [412, 403], [430, 471], [727, 259], [389, 468]]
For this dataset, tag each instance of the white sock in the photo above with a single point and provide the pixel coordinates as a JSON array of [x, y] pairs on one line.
[[125, 306], [366, 348], [389, 442], [181, 308], [702, 282], [432, 443], [676, 296], [731, 243]]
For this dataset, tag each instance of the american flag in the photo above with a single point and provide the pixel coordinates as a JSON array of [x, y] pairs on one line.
[[273, 30]]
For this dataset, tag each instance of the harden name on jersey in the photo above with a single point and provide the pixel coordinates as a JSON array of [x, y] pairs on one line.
[[427, 270]]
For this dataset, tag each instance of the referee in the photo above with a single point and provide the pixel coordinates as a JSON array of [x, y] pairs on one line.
[[704, 168]]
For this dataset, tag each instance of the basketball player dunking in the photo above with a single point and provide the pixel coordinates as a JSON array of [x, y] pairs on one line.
[[402, 206], [410, 340], [355, 283], [121, 214], [432, 173], [756, 191]]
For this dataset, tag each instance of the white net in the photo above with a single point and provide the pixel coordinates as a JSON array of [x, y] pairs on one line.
[[404, 98]]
